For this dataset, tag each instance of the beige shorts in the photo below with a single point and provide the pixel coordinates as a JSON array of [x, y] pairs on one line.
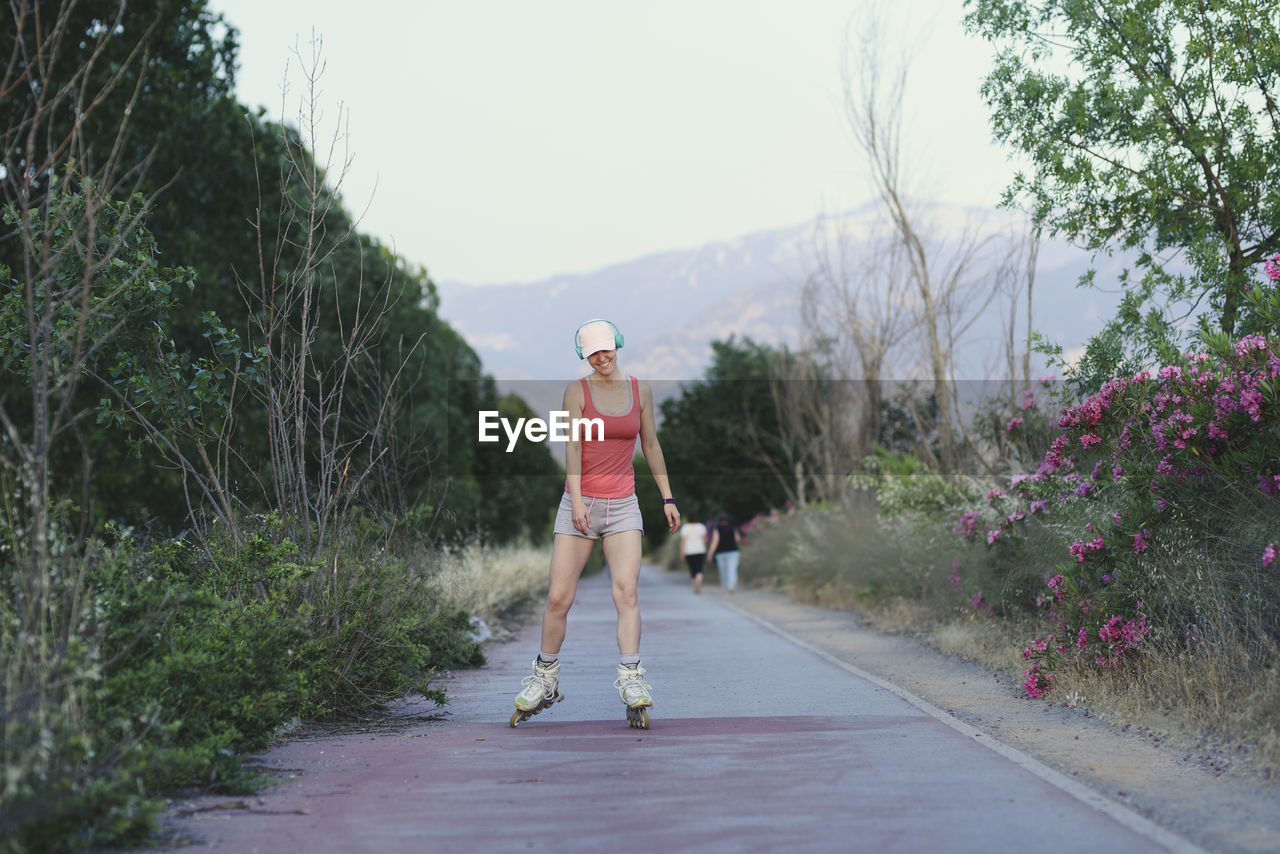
[[607, 516]]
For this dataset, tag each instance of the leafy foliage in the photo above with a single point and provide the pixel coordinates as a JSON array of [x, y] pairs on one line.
[[720, 434], [186, 661], [147, 218], [1151, 125], [1139, 460]]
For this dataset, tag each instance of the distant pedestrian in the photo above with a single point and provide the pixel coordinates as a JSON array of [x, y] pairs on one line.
[[723, 547], [599, 503], [693, 545]]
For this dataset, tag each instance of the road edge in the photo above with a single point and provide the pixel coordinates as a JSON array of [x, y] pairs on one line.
[[1113, 809]]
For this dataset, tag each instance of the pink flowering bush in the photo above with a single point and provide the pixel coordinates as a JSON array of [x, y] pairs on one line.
[[1015, 423], [760, 521], [1139, 460]]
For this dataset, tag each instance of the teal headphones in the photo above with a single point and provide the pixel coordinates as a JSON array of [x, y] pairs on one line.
[[617, 336]]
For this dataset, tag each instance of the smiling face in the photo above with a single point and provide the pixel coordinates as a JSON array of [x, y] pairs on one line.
[[603, 361]]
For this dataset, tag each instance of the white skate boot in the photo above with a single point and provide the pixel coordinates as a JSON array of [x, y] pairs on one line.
[[541, 689], [635, 695]]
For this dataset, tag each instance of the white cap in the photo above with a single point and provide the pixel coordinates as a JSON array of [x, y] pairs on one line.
[[596, 336]]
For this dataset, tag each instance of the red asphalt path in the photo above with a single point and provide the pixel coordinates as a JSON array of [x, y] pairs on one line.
[[757, 743]]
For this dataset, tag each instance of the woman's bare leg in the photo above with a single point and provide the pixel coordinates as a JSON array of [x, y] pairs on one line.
[[623, 550], [569, 555]]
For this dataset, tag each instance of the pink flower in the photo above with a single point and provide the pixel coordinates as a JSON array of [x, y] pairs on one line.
[[1272, 267], [1249, 343], [1269, 554], [1140, 543], [1036, 683], [1251, 402], [967, 527], [1080, 548], [1014, 423]]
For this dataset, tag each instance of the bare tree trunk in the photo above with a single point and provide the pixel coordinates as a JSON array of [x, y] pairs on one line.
[[313, 434], [1033, 254], [874, 95], [852, 313], [949, 292]]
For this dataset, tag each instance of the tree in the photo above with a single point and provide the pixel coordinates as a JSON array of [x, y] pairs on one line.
[[1150, 125], [113, 89], [140, 97], [854, 307], [518, 490], [951, 277], [81, 295], [721, 438]]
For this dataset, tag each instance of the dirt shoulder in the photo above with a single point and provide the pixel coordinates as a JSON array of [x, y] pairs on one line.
[[1205, 797]]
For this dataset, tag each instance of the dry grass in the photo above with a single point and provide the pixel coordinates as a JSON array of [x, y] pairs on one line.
[[1216, 700], [492, 582], [1218, 695], [993, 642]]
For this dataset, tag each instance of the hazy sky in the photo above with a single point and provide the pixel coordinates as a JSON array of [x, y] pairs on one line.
[[509, 141]]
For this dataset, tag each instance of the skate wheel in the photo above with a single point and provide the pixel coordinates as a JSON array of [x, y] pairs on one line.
[[517, 719]]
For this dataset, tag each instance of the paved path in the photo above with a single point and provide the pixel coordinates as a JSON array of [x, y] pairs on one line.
[[758, 743]]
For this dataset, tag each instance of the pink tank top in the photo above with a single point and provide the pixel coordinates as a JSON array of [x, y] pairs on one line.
[[608, 470]]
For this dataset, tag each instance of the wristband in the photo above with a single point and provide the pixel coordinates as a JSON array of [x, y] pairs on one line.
[[668, 501]]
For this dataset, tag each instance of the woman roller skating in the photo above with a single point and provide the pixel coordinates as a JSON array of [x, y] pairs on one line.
[[599, 503]]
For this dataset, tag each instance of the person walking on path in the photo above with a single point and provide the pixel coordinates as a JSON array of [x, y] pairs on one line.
[[724, 549], [693, 545], [599, 503]]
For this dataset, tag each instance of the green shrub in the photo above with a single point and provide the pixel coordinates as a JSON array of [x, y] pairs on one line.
[[68, 783], [188, 659], [1168, 485]]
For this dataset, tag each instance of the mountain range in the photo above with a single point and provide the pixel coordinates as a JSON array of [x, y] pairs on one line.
[[670, 306]]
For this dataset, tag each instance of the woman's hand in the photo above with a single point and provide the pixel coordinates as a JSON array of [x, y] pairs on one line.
[[581, 518], [673, 517]]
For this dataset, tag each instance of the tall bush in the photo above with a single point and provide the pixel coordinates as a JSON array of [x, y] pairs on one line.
[[1186, 455]]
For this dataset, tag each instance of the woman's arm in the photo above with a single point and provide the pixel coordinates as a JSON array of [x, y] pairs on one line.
[[713, 543], [653, 455], [574, 404]]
